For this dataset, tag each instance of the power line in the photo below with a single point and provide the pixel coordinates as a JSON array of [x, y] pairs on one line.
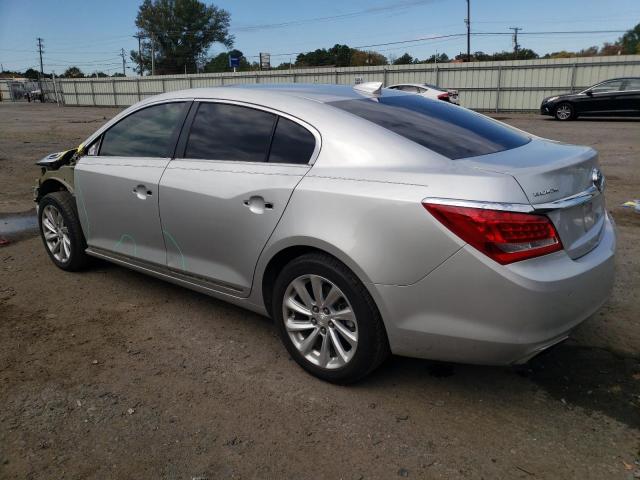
[[454, 35], [368, 11]]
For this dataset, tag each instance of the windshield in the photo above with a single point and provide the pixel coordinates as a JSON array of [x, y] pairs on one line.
[[449, 130]]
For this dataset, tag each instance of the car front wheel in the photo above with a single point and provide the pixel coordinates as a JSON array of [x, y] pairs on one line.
[[565, 111], [61, 232], [327, 319]]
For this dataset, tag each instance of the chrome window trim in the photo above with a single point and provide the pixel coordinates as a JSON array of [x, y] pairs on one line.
[[310, 128], [130, 111]]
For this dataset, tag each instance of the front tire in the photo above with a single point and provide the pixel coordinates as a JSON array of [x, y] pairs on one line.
[[565, 111], [61, 232], [327, 319]]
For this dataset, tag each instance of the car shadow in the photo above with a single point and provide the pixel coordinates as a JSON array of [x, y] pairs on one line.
[[593, 379], [590, 378]]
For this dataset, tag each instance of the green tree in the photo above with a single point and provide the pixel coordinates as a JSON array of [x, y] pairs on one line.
[[440, 58], [31, 73], [405, 59], [181, 32], [73, 72], [361, 58], [630, 41]]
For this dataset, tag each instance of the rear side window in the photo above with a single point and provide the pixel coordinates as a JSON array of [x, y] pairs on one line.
[[449, 130], [146, 133], [292, 143], [632, 84], [611, 86], [230, 132]]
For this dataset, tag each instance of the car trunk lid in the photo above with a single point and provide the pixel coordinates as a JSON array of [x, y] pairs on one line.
[[558, 180]]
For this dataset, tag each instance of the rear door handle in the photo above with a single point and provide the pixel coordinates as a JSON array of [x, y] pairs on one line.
[[257, 204], [142, 192]]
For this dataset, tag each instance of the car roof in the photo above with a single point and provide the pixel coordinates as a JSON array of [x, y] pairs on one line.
[[618, 78], [319, 93]]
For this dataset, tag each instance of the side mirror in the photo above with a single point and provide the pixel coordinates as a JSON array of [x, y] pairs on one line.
[[589, 93]]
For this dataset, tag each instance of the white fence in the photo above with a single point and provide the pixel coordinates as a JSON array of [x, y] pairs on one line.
[[490, 86]]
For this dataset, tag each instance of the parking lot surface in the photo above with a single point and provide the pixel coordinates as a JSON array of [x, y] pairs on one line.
[[112, 374]]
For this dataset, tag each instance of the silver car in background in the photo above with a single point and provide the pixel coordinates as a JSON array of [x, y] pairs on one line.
[[428, 91], [363, 220]]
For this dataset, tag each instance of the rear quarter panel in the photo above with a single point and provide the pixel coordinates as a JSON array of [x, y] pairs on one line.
[[380, 230]]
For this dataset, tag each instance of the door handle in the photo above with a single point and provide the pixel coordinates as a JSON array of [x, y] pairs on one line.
[[142, 192], [257, 204]]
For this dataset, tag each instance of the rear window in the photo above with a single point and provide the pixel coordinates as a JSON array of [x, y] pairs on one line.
[[446, 129]]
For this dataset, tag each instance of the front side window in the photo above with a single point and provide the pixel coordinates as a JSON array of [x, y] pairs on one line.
[[292, 143], [612, 86], [146, 133], [230, 132], [439, 126]]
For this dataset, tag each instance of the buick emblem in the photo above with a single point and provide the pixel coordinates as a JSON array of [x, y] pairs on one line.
[[598, 179]]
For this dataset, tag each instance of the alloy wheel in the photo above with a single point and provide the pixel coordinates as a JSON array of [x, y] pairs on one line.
[[56, 234], [320, 321], [563, 112]]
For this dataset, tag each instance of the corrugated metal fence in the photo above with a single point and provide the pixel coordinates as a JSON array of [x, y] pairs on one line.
[[489, 86]]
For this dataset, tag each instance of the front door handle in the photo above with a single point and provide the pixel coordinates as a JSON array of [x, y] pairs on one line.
[[257, 204], [142, 192]]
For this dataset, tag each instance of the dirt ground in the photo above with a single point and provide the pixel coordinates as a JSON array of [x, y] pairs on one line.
[[112, 374]]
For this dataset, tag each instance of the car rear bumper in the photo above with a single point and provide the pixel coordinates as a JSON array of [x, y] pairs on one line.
[[473, 310]]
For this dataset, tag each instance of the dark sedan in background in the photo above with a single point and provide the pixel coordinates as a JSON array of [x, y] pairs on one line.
[[615, 97]]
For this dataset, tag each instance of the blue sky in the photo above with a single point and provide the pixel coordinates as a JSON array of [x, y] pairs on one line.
[[91, 33]]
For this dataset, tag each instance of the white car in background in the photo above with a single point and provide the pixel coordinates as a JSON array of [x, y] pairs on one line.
[[428, 91]]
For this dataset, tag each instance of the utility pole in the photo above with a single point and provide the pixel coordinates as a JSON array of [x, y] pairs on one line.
[[515, 40], [153, 55], [122, 54], [40, 47], [139, 37], [468, 22]]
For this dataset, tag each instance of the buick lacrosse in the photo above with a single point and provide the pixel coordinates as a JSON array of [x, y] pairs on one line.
[[364, 221]]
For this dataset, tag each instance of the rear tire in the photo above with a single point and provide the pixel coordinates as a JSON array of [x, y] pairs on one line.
[[564, 112], [356, 342], [61, 232]]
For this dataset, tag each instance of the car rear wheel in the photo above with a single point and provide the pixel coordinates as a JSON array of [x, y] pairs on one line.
[[328, 320], [61, 232], [565, 111]]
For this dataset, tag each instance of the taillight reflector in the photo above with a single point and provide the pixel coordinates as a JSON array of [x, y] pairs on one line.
[[506, 237]]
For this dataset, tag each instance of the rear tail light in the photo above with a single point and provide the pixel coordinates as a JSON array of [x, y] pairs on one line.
[[444, 96], [506, 237]]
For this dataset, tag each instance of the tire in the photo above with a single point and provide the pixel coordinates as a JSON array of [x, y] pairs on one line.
[[564, 112], [59, 225], [371, 343]]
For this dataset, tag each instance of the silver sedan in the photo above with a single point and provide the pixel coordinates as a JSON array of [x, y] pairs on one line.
[[364, 221]]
